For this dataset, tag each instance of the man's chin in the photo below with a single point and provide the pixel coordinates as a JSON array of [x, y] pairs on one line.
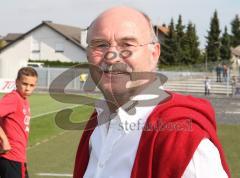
[[116, 77], [114, 88]]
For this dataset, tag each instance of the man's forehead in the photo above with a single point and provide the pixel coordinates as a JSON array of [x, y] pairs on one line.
[[121, 25], [124, 29]]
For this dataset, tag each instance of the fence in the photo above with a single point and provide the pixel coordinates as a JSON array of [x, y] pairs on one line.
[[175, 80], [48, 75]]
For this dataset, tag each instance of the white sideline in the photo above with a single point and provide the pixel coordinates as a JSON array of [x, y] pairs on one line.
[[54, 175], [46, 140], [233, 112], [39, 115]]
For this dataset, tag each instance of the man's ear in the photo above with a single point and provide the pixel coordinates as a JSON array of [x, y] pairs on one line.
[[156, 51]]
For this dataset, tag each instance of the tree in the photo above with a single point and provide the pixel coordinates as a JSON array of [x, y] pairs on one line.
[[225, 52], [180, 29], [169, 46], [213, 39], [191, 45], [235, 38], [180, 46], [180, 53]]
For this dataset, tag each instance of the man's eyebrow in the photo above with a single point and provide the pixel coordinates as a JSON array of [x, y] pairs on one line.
[[97, 40], [128, 39]]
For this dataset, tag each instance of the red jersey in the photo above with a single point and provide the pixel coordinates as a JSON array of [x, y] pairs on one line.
[[15, 120]]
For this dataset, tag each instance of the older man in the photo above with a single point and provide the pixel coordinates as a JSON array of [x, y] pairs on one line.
[[141, 130]]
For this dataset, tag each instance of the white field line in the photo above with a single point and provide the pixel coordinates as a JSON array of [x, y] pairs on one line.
[[46, 113], [46, 140], [235, 103], [50, 138], [232, 112], [54, 175]]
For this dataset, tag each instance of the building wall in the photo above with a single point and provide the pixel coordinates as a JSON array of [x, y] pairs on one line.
[[235, 65], [38, 45], [14, 57], [47, 40]]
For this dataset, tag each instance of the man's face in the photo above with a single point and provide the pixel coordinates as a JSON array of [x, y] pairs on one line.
[[25, 85], [120, 32]]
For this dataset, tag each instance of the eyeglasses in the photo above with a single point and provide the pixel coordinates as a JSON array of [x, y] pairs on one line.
[[103, 46]]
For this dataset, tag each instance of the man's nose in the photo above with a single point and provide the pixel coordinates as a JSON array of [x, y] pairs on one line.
[[112, 57]]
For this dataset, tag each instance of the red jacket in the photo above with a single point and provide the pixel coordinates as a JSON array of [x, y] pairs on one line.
[[172, 133]]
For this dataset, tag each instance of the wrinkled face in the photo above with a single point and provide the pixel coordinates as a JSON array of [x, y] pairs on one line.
[[25, 85], [120, 43]]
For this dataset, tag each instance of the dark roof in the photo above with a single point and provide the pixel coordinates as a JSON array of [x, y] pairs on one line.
[[11, 37], [161, 29], [69, 32]]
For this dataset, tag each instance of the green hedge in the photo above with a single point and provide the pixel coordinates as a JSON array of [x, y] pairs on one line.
[[58, 63]]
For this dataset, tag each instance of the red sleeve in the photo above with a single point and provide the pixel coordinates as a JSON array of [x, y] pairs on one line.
[[8, 105]]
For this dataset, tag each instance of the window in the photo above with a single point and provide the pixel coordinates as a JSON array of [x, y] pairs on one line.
[[59, 48]]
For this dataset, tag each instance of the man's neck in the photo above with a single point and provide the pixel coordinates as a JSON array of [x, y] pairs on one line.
[[115, 101]]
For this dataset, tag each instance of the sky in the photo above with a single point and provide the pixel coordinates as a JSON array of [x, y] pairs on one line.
[[19, 16]]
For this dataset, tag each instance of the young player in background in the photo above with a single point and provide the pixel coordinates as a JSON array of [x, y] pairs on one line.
[[14, 125]]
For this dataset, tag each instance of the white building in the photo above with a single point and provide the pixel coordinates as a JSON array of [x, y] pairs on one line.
[[235, 60], [47, 41]]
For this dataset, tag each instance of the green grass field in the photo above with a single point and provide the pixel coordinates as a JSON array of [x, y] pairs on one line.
[[230, 139], [52, 149]]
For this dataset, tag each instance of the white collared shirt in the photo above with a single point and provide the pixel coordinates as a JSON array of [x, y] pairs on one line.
[[113, 146]]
